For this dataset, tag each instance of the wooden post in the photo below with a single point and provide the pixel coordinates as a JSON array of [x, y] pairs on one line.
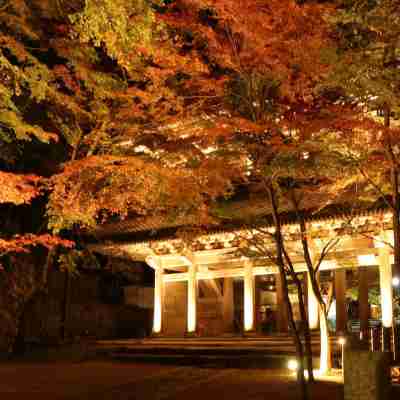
[[385, 281], [158, 300], [363, 305], [282, 317], [192, 300], [248, 306], [257, 304], [159, 283], [340, 294], [228, 305]]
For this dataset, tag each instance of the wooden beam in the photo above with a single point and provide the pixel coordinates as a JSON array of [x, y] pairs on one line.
[[340, 295], [236, 272], [209, 286]]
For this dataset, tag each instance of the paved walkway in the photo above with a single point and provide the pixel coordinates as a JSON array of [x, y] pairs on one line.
[[102, 380]]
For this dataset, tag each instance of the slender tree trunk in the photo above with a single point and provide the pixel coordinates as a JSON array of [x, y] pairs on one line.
[[395, 219], [18, 346], [306, 331], [281, 266], [396, 245], [65, 306], [394, 177], [325, 350], [325, 354], [297, 338]]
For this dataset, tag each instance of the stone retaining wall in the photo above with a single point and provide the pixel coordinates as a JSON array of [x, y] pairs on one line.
[[366, 375]]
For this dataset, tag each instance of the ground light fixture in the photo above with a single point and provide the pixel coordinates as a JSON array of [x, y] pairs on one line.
[[342, 341], [293, 365]]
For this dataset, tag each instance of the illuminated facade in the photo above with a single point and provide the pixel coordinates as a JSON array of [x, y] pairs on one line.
[[197, 281]]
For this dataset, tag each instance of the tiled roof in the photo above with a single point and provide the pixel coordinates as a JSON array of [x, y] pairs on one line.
[[249, 212]]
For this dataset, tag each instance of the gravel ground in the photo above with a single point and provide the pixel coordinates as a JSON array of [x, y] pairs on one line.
[[100, 380]]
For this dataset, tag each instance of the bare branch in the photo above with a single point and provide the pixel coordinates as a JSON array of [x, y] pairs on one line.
[[325, 251], [376, 187]]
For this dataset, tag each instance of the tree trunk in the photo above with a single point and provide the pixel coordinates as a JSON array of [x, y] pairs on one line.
[[396, 248], [394, 178], [280, 249], [325, 352], [297, 338], [18, 346], [65, 306], [306, 331], [395, 219], [304, 320]]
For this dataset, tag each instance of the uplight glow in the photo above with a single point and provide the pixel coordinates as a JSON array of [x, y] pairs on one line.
[[293, 365]]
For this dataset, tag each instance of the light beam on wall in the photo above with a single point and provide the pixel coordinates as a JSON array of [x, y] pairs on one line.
[[192, 299], [385, 281], [366, 259], [158, 294], [313, 307], [248, 298]]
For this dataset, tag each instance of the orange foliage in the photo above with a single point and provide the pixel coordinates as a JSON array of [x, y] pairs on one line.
[[97, 187], [22, 243], [18, 189], [277, 36]]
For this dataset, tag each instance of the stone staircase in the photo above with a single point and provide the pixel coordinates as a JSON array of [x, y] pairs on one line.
[[228, 351]]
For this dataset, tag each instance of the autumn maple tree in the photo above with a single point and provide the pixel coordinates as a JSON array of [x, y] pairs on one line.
[[130, 108], [366, 75], [147, 100]]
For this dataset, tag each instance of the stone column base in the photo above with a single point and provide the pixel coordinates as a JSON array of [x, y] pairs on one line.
[[251, 333], [191, 334]]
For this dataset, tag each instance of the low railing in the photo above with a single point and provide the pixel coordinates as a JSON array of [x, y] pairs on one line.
[[385, 339], [377, 338]]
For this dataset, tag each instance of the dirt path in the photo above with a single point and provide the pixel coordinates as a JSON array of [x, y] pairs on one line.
[[98, 380]]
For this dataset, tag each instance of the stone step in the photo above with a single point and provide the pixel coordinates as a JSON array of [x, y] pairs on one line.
[[212, 360], [213, 340], [222, 351], [204, 347], [207, 351]]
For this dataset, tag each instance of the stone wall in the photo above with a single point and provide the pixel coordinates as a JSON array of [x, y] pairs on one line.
[[88, 312], [139, 296], [366, 375], [175, 308], [209, 316], [209, 312]]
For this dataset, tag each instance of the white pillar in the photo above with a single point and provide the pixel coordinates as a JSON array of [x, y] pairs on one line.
[[248, 312], [313, 308], [192, 299], [158, 299], [385, 279]]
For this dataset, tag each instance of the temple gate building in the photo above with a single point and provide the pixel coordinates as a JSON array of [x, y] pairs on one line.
[[208, 286]]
